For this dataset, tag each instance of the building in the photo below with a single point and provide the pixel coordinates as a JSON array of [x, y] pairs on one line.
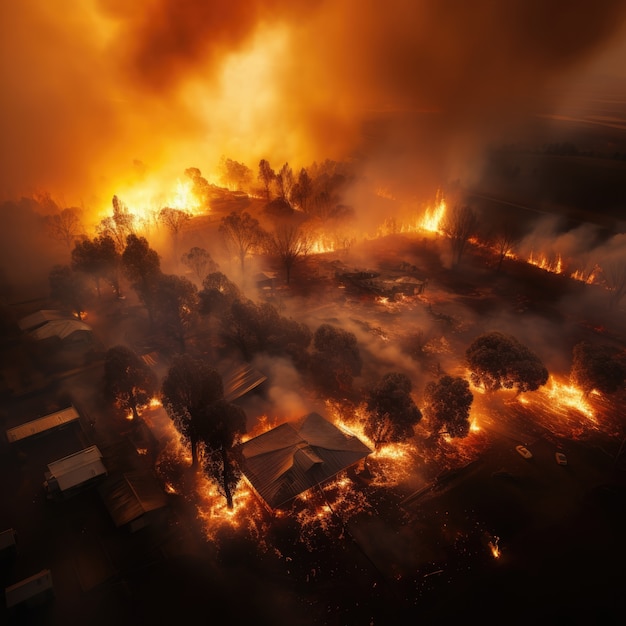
[[297, 456], [71, 473], [42, 425]]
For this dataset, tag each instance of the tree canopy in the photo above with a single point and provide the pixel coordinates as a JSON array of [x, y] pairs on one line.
[[391, 411], [497, 360], [447, 404], [598, 367], [242, 234], [99, 258], [129, 383], [68, 288], [336, 359], [188, 389]]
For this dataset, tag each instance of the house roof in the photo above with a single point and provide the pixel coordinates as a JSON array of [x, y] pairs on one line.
[[295, 456], [62, 328], [39, 318], [78, 467], [42, 424], [241, 379], [131, 495]]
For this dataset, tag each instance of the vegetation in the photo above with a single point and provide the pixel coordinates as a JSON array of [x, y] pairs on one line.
[[129, 383], [391, 411], [189, 388], [68, 289], [598, 367], [447, 404], [242, 235], [497, 361]]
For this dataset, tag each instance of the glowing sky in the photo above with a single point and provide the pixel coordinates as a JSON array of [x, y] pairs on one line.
[[95, 92]]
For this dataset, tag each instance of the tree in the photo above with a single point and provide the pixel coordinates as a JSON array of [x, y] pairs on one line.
[[200, 262], [447, 404], [241, 234], [284, 182], [142, 266], [266, 177], [504, 237], [254, 328], [336, 359], [118, 226], [188, 389], [497, 360], [597, 367], [289, 243], [99, 258], [174, 220], [201, 186], [235, 175], [68, 288], [175, 306], [459, 225], [391, 411], [217, 294], [302, 190], [128, 381], [225, 424], [65, 226]]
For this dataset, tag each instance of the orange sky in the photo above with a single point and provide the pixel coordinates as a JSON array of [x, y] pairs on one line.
[[96, 93]]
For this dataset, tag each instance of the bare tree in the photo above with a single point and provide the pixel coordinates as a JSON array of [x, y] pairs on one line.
[[504, 238], [65, 226], [290, 243], [459, 225], [285, 182], [174, 220], [241, 234]]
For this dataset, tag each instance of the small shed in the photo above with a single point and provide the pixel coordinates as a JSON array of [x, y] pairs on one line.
[[44, 424], [296, 456], [74, 471]]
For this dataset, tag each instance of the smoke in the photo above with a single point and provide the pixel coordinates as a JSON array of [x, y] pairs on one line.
[[177, 84]]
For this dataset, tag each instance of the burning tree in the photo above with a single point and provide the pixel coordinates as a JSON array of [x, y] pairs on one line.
[[99, 258], [459, 225], [128, 381], [188, 389], [225, 424], [235, 175], [447, 404], [118, 226], [497, 361], [503, 239], [242, 234], [598, 367], [391, 411], [336, 359]]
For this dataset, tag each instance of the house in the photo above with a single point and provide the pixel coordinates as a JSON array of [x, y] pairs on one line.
[[42, 425], [39, 318], [296, 456]]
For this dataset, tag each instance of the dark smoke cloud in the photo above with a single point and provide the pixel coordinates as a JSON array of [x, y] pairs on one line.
[[86, 92]]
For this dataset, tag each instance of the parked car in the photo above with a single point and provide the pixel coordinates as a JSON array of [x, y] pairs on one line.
[[523, 451], [561, 459]]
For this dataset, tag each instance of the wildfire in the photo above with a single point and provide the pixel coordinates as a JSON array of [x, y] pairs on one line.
[[554, 265], [433, 217], [569, 396]]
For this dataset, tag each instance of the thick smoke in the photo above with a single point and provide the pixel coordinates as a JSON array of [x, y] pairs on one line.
[[179, 83]]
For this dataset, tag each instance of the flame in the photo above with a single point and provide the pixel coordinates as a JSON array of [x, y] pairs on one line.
[[554, 265], [494, 547], [433, 217], [568, 395]]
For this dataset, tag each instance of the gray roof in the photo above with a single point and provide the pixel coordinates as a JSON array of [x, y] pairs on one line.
[[293, 457], [63, 328], [39, 318]]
